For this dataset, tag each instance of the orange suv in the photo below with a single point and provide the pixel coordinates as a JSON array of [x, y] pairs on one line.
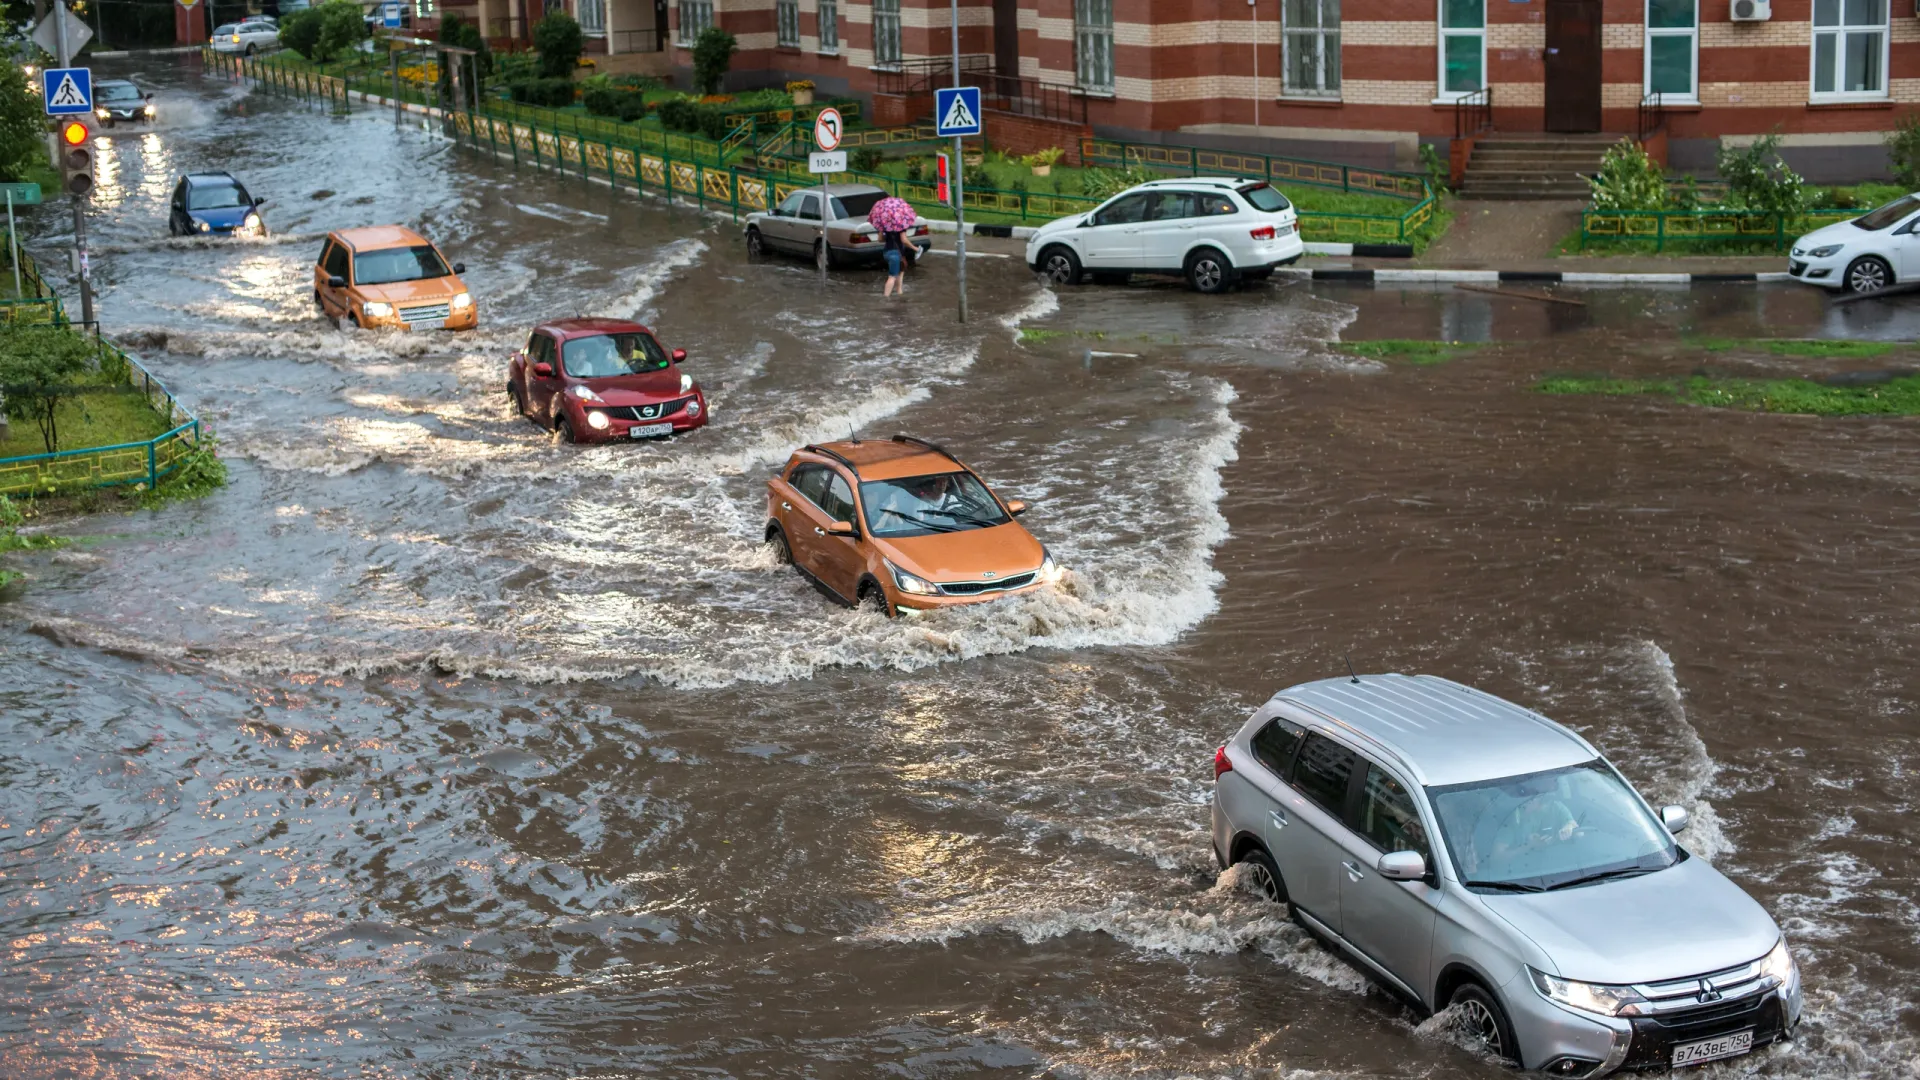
[[387, 276], [901, 525]]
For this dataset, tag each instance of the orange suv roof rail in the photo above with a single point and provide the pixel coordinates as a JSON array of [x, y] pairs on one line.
[[824, 452], [935, 447]]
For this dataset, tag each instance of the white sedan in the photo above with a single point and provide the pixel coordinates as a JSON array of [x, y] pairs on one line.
[[246, 38], [1870, 252]]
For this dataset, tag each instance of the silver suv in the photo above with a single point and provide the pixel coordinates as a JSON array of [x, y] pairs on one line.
[[1464, 851]]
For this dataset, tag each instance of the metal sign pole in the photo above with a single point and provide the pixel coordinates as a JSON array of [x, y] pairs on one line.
[[13, 244], [959, 168], [79, 201]]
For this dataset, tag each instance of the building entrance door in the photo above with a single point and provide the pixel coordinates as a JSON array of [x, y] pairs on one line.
[[1006, 37], [1573, 65]]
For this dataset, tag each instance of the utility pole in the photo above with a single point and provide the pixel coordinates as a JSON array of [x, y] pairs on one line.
[[959, 185], [79, 201]]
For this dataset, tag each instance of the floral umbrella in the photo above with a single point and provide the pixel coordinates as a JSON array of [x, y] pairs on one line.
[[892, 214]]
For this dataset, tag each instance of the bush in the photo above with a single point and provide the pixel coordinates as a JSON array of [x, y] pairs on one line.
[[41, 366], [23, 147], [560, 43], [1755, 183], [552, 93], [604, 97], [300, 31], [696, 117], [712, 56], [343, 26], [865, 159], [1106, 183], [916, 168], [1628, 180], [457, 31], [1439, 171], [516, 67], [1903, 151]]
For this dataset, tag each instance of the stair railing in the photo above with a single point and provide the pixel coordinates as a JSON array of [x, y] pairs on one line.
[[1473, 113], [1652, 116]]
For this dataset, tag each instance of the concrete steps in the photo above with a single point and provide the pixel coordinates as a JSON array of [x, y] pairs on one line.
[[1533, 166]]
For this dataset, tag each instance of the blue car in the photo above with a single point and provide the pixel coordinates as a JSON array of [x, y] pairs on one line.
[[214, 204]]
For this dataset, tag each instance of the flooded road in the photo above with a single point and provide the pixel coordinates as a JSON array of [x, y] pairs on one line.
[[430, 748]]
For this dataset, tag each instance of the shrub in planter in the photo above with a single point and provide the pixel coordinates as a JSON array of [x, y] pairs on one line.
[[1755, 183], [678, 114], [916, 168], [865, 159], [1628, 180], [560, 43], [552, 93], [712, 56], [1903, 149]]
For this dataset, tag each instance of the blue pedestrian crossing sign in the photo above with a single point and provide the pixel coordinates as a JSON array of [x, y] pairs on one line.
[[67, 90], [957, 109]]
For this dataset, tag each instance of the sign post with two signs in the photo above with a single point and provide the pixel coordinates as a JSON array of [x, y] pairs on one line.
[[827, 158]]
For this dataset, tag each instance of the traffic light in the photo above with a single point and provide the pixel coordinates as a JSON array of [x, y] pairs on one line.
[[76, 157]]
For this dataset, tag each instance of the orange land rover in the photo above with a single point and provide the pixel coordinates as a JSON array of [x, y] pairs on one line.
[[387, 276], [900, 524]]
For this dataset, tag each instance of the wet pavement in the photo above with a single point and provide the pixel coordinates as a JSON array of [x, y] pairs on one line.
[[430, 748]]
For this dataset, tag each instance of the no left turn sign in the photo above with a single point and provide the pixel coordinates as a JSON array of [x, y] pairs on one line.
[[827, 128]]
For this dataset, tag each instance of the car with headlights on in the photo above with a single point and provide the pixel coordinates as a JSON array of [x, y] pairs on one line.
[[117, 101], [794, 227], [604, 380], [1213, 231], [389, 277], [900, 526], [1865, 254], [214, 204], [1467, 853]]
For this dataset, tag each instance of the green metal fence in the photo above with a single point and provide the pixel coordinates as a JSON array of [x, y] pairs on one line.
[[1747, 227], [100, 466]]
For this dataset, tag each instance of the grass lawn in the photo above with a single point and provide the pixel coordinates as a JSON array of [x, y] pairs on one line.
[[1893, 395], [104, 418], [1408, 351], [1843, 350]]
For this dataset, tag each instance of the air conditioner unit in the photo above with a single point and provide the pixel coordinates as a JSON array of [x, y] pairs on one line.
[[1752, 10]]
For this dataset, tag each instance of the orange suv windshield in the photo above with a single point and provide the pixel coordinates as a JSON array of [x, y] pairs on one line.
[[936, 503], [398, 264]]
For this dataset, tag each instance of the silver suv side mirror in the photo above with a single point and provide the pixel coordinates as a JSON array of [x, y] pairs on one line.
[[1675, 818], [1402, 866]]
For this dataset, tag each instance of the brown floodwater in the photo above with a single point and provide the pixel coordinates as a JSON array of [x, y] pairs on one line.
[[429, 748]]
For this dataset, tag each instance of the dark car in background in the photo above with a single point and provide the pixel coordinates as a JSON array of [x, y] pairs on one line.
[[117, 101], [214, 204]]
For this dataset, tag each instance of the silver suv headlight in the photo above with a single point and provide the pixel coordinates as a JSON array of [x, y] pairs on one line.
[[1778, 964], [1589, 997]]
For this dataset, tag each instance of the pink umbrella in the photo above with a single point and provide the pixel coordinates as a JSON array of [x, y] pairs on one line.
[[892, 214]]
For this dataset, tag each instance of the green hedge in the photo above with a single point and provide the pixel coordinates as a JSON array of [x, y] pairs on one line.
[[552, 93]]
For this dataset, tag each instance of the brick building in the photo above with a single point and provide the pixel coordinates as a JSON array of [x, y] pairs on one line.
[[1360, 80]]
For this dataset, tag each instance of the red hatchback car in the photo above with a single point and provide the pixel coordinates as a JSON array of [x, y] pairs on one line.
[[603, 380]]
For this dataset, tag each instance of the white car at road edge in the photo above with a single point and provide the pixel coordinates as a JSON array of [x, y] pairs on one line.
[[246, 38], [1877, 249], [1215, 231]]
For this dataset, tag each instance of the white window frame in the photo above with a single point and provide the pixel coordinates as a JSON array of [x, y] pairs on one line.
[[786, 23], [691, 12], [1442, 95], [1326, 38], [593, 17], [1646, 54], [1091, 37], [886, 28], [827, 26], [1841, 31]]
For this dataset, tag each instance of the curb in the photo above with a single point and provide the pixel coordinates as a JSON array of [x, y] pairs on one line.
[[1533, 277], [118, 54]]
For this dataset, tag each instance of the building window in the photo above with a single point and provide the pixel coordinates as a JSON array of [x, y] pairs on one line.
[[695, 16], [786, 23], [886, 33], [1310, 48], [1849, 48], [1673, 47], [829, 26], [1093, 44], [593, 17], [1463, 47]]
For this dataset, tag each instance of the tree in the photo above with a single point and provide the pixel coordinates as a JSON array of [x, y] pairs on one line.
[[560, 43], [41, 366], [455, 30], [300, 30], [712, 56], [23, 139], [343, 26]]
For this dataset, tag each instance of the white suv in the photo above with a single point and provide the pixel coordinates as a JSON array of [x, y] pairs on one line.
[[1212, 230]]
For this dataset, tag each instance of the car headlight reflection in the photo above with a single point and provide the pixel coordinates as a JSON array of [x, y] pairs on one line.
[[597, 420], [1823, 252], [376, 309], [102, 114], [585, 394], [147, 111], [1589, 997], [204, 227], [911, 583], [462, 300], [693, 408], [686, 382], [253, 221], [1778, 964]]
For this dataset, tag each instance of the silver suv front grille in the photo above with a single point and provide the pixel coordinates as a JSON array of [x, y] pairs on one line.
[[1730, 984]]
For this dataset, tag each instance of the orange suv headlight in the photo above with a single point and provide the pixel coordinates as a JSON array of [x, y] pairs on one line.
[[911, 583]]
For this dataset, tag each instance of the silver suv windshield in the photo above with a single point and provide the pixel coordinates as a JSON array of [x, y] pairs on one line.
[[1550, 830]]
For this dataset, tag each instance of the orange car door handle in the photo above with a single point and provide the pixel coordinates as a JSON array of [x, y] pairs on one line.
[[818, 531], [786, 506]]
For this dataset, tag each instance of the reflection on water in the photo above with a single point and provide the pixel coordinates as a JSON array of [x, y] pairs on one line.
[[431, 748]]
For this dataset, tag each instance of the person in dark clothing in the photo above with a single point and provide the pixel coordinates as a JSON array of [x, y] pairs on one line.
[[896, 253]]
